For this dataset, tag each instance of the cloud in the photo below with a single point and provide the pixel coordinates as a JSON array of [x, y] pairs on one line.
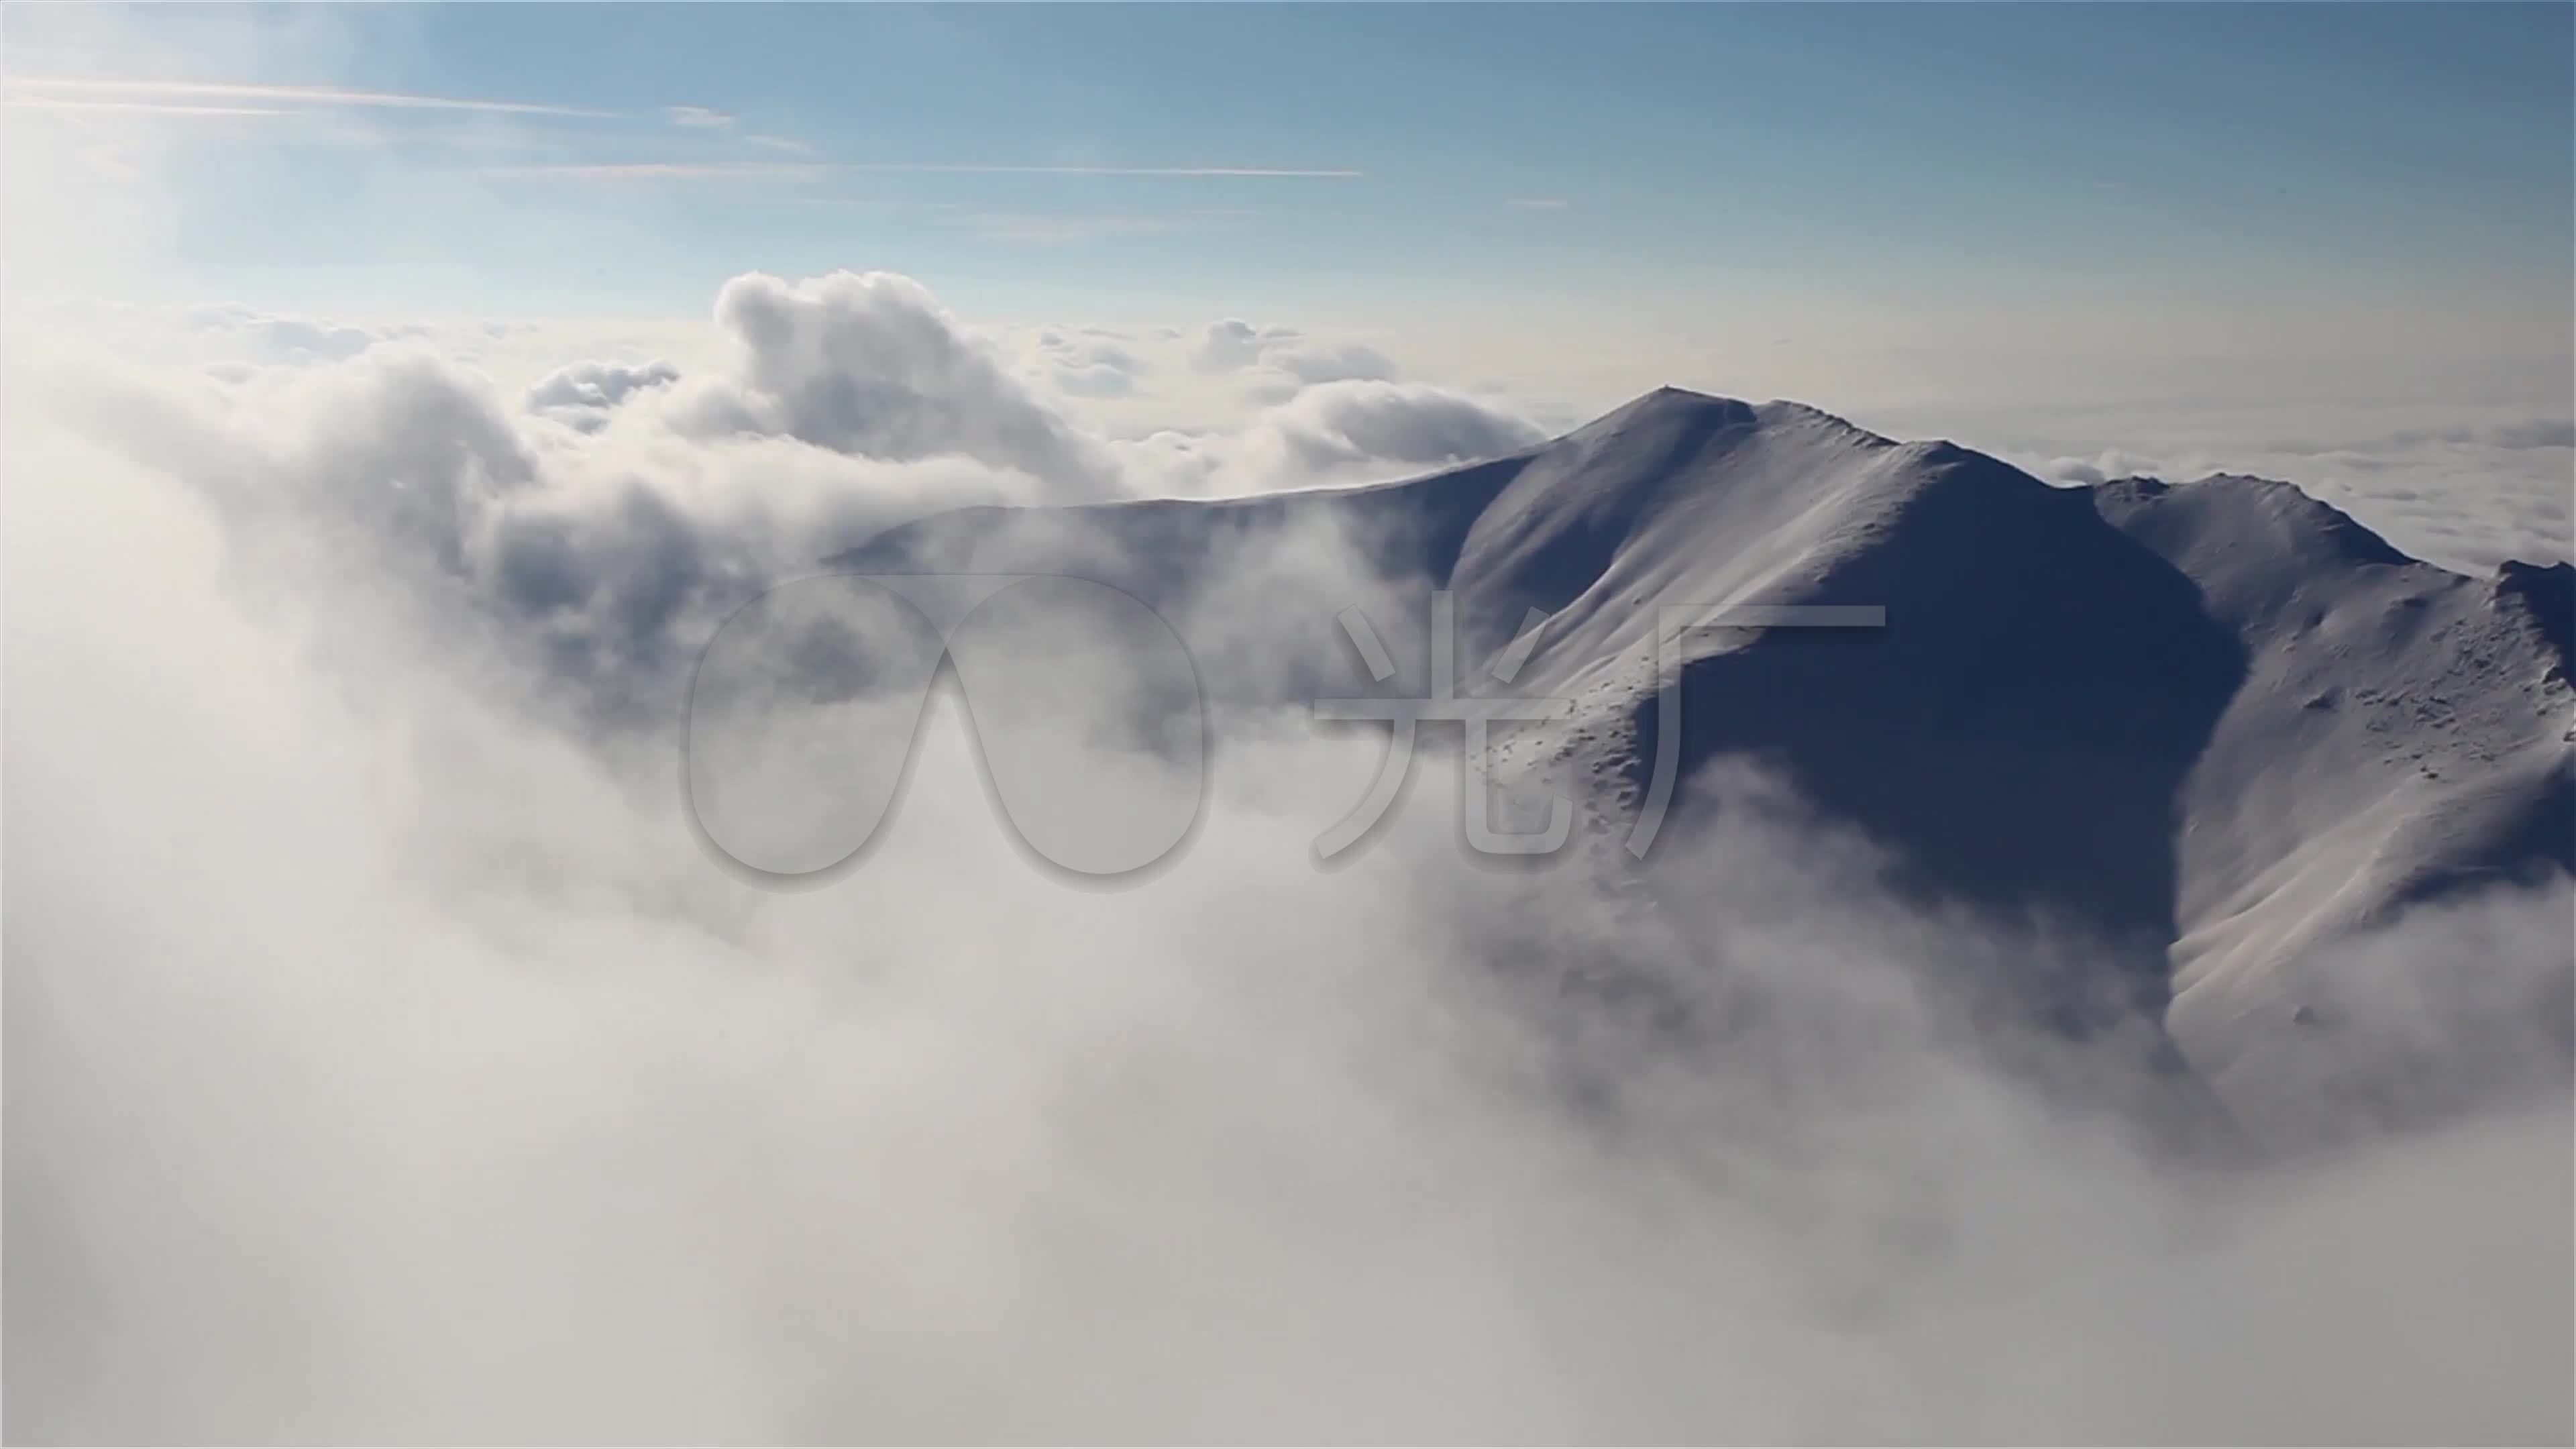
[[1535, 203], [78, 87], [658, 171], [1341, 423], [1064, 227], [2467, 493], [2512, 434], [133, 108], [1181, 171], [526, 1124], [1346, 362], [698, 118], [583, 394], [2111, 463], [788, 144], [1275, 362], [383, 987], [871, 364], [1336, 432], [1087, 365], [1230, 343], [246, 334]]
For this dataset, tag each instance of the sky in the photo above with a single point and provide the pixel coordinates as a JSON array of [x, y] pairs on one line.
[[396, 401], [2179, 236], [1396, 154]]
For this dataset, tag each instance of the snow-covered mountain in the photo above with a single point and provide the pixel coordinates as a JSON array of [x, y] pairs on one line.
[[2219, 727]]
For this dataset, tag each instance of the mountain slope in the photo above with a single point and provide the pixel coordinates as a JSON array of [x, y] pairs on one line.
[[2216, 728], [2401, 738]]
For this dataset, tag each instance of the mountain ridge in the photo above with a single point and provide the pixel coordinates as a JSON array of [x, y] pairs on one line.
[[2219, 726]]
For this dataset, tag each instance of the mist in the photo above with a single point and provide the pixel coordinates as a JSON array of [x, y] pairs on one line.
[[388, 1060]]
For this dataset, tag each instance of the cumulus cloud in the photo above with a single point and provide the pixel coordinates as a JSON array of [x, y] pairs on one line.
[[372, 1030], [1088, 363], [249, 335], [1339, 424], [1347, 362], [1276, 361], [582, 394], [602, 552], [1231, 343], [2087, 472], [388, 1062], [1339, 432], [872, 365], [838, 407]]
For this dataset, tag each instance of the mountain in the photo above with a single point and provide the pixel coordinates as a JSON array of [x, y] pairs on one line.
[[2220, 728]]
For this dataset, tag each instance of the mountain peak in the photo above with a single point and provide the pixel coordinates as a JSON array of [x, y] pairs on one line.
[[1669, 406], [2224, 511], [1678, 403]]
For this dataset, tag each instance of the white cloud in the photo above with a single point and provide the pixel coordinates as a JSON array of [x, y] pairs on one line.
[[248, 335], [362, 971], [1346, 362], [658, 171], [698, 118], [1337, 432], [77, 87], [871, 364], [583, 394], [2467, 493], [133, 108], [1350, 422], [1230, 343], [1080, 365], [1274, 362], [939, 168]]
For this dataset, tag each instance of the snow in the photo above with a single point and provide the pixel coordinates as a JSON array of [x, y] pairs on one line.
[[2220, 727]]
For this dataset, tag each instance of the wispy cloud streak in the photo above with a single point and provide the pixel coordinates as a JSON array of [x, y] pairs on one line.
[[726, 170], [661, 170], [45, 87], [132, 108], [930, 167]]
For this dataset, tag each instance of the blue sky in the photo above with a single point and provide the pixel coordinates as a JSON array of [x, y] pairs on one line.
[[2327, 241], [2080, 150]]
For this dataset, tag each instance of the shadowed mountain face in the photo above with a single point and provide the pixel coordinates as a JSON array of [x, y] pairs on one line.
[[2018, 733], [2215, 727]]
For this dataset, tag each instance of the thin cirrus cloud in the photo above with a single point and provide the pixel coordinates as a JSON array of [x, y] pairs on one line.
[[734, 170], [142, 108], [658, 170], [183, 95], [966, 169], [1535, 203], [704, 118]]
